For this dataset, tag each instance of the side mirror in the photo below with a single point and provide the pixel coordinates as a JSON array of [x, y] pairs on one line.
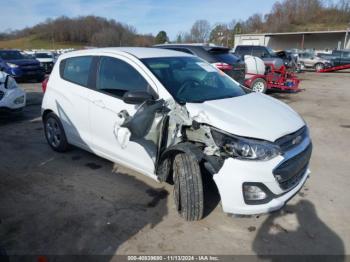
[[136, 97]]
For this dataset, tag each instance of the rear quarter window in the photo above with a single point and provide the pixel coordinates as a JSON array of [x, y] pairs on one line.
[[76, 69]]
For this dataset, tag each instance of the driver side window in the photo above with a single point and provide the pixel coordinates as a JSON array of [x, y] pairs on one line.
[[116, 77]]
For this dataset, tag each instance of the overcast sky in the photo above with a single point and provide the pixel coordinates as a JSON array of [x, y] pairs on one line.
[[147, 16]]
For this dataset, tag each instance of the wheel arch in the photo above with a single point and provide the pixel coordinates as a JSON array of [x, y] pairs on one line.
[[164, 164], [45, 113]]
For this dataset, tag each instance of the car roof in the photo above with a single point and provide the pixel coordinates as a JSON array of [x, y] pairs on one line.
[[195, 45], [139, 52]]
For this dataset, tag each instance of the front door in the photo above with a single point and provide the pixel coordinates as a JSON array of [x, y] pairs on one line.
[[115, 76]]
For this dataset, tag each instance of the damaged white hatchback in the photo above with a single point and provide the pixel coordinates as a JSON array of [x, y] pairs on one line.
[[176, 118]]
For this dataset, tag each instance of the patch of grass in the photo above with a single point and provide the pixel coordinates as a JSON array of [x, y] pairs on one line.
[[36, 43]]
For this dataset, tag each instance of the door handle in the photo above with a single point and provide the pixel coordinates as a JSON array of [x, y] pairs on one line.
[[99, 103]]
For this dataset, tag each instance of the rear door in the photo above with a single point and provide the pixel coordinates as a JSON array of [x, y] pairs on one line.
[[306, 58], [337, 57], [345, 58], [71, 94], [114, 77]]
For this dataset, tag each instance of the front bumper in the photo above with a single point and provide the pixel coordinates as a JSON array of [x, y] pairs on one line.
[[13, 100], [235, 173]]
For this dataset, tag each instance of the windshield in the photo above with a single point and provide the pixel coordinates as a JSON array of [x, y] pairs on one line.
[[189, 79], [11, 55], [43, 55]]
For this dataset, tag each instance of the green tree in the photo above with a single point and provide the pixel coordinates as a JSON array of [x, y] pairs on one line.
[[219, 35], [162, 37], [179, 38]]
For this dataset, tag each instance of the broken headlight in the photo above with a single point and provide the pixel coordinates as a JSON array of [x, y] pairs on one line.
[[245, 148]]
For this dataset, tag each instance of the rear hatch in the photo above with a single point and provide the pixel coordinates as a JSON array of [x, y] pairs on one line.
[[229, 63]]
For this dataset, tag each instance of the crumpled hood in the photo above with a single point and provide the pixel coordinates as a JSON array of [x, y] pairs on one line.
[[253, 115]]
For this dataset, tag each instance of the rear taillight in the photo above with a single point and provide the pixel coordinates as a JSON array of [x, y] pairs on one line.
[[44, 84], [223, 66]]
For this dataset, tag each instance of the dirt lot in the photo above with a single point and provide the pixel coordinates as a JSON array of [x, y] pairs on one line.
[[78, 203]]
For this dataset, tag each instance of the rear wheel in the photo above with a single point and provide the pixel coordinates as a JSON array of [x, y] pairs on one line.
[[319, 67], [188, 187], [259, 85], [54, 133]]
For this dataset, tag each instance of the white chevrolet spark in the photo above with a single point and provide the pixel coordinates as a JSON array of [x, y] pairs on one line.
[[175, 118]]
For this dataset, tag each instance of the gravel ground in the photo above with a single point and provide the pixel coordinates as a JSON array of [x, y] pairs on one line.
[[78, 203]]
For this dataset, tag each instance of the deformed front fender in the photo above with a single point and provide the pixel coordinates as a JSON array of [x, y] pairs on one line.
[[164, 166], [164, 163]]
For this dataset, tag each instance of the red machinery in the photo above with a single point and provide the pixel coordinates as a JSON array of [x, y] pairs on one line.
[[334, 68], [280, 79]]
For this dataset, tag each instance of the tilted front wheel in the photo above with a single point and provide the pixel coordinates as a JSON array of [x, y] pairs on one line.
[[54, 133], [188, 187]]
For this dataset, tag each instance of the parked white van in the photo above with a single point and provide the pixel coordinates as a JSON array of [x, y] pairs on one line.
[[175, 118]]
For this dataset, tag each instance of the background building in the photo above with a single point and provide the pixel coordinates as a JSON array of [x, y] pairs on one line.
[[318, 40]]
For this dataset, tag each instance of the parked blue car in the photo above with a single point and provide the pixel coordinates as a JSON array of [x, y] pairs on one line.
[[21, 67]]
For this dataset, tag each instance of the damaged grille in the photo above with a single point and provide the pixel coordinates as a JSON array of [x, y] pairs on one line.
[[290, 141], [289, 173]]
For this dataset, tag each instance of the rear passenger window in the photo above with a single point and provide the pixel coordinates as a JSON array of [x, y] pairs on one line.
[[76, 69], [117, 77]]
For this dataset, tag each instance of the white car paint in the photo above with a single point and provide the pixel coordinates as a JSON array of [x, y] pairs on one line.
[[254, 115], [13, 97], [90, 120]]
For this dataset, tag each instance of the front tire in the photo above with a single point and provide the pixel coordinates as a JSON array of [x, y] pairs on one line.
[[259, 85], [54, 133], [188, 187]]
